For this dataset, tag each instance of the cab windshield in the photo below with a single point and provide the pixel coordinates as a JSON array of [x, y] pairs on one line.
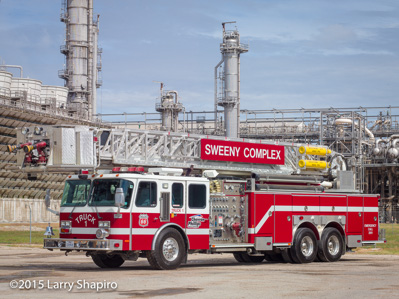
[[75, 193], [103, 193]]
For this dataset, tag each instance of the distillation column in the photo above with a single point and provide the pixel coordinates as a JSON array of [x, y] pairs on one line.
[[230, 96], [80, 49], [169, 108]]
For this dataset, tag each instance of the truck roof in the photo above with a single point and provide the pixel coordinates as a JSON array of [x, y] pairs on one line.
[[140, 176]]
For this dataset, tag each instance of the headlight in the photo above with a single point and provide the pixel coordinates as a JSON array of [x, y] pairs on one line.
[[101, 233], [65, 223], [104, 224], [65, 227]]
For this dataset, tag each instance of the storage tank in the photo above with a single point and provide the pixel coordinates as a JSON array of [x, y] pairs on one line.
[[57, 93], [5, 83], [32, 88]]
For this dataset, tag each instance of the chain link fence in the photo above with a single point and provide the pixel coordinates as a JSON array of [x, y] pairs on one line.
[[388, 213]]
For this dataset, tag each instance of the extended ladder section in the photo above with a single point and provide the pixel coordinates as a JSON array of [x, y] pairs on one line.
[[71, 148]]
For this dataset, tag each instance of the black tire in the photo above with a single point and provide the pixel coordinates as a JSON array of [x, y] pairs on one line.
[[331, 245], [274, 257], [293, 257], [252, 258], [317, 259], [238, 257], [286, 255], [268, 257], [304, 248], [169, 252], [107, 260], [243, 257]]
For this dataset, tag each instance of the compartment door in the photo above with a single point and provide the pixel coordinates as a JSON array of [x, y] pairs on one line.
[[264, 215], [283, 218], [370, 227], [355, 215]]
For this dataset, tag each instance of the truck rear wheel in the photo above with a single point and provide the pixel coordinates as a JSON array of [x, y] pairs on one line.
[[331, 245], [169, 250], [107, 260], [304, 249], [244, 257]]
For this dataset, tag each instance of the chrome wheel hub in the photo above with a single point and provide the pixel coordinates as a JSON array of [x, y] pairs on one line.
[[333, 245], [307, 246], [170, 249]]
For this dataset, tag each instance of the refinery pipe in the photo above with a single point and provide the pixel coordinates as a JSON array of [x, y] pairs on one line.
[[216, 91], [347, 121], [176, 95], [377, 151]]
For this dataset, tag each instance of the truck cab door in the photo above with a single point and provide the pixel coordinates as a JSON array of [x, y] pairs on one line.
[[145, 214], [197, 218]]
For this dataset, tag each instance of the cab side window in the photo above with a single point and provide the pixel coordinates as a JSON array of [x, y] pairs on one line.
[[177, 195], [147, 194], [197, 196]]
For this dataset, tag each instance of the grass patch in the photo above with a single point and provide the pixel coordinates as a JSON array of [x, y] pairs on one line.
[[392, 245], [22, 237]]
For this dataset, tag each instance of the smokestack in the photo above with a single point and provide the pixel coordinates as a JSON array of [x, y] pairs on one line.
[[231, 48]]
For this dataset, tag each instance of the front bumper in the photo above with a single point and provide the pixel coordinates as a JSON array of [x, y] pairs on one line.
[[82, 244]]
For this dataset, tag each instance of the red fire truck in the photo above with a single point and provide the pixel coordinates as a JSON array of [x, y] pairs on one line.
[[255, 199], [163, 216]]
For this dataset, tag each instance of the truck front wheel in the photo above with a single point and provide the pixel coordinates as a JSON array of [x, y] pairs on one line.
[[107, 260], [169, 250]]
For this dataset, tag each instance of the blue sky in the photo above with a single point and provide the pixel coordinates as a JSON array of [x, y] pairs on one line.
[[303, 53]]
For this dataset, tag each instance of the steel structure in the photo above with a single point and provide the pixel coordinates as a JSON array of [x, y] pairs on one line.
[[82, 57], [229, 95]]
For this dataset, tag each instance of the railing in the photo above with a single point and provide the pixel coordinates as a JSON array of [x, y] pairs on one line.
[[154, 148], [35, 104]]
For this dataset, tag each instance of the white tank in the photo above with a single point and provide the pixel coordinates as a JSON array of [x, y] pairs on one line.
[[32, 87], [57, 93], [5, 83]]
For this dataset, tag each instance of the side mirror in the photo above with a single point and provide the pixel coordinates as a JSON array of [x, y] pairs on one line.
[[47, 203], [119, 197], [47, 198]]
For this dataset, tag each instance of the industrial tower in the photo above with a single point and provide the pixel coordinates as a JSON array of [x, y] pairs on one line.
[[229, 96], [82, 57], [169, 108]]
